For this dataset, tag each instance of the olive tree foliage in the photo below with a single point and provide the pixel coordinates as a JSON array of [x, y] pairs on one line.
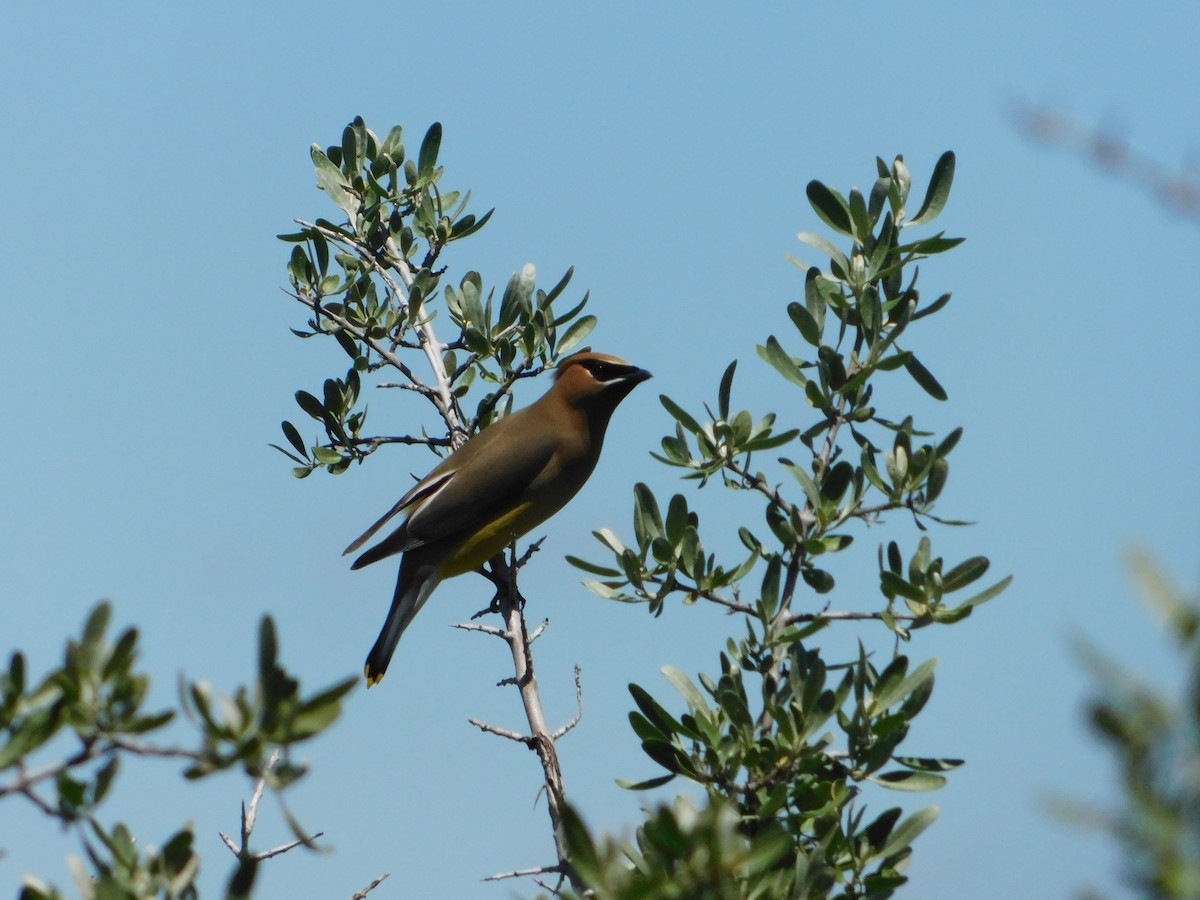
[[782, 740], [1154, 739], [67, 737], [376, 281]]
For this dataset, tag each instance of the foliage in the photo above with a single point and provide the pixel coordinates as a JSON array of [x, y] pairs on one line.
[[96, 699], [1156, 742], [781, 740], [373, 283]]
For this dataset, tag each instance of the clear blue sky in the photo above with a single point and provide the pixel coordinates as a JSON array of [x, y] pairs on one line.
[[153, 151]]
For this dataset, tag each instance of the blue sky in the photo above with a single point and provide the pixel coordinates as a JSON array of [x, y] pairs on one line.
[[155, 150]]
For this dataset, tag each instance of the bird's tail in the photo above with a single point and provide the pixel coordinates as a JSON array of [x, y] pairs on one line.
[[414, 584]]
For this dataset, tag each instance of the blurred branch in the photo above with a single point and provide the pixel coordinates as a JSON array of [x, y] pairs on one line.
[[1178, 191]]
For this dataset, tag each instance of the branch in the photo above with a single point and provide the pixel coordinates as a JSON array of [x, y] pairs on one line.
[[509, 603], [579, 704], [524, 873], [1178, 191], [440, 395], [361, 895], [250, 818]]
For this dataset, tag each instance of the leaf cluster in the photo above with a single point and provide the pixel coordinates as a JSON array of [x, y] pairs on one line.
[[93, 708], [781, 736], [1154, 739], [373, 281]]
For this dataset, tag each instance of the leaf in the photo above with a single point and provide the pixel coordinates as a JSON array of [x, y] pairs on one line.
[[311, 405], [836, 256], [907, 831], [683, 684], [925, 379], [830, 206], [965, 573], [808, 326], [806, 483], [684, 418], [724, 391], [592, 568], [859, 216], [646, 785], [902, 780], [939, 190], [331, 180], [985, 596], [778, 358], [432, 142], [929, 763], [579, 330]]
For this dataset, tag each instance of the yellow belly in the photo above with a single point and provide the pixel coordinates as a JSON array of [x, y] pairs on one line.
[[492, 539]]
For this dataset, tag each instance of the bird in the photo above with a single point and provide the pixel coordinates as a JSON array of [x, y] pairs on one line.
[[503, 482]]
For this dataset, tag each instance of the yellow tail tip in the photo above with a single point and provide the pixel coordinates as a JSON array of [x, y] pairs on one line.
[[373, 678]]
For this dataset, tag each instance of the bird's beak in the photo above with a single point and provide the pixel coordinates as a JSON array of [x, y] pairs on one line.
[[637, 376]]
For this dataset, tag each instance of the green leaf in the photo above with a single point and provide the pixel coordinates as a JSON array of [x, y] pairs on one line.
[[925, 379], [859, 216], [331, 180], [726, 387], [939, 190], [778, 358], [592, 568], [929, 763], [311, 405], [831, 207], [806, 483], [579, 330], [907, 831], [648, 784], [893, 585], [818, 579], [905, 780], [684, 418], [293, 436], [965, 573], [432, 142], [392, 149], [808, 327], [836, 256], [685, 686], [985, 596]]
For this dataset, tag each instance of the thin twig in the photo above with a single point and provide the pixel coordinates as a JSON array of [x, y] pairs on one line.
[[525, 873], [501, 732], [579, 704], [361, 895], [482, 629]]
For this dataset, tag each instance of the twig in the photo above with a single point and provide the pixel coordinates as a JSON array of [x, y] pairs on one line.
[[482, 629], [1178, 191], [509, 603], [579, 704], [525, 873], [361, 895], [502, 732], [250, 818]]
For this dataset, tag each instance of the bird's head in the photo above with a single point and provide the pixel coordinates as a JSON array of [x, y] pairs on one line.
[[596, 380]]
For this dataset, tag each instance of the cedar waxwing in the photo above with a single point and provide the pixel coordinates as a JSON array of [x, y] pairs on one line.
[[503, 482]]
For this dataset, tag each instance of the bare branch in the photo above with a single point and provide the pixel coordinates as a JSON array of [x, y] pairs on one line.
[[482, 629], [361, 895], [501, 732], [1179, 191], [525, 873]]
